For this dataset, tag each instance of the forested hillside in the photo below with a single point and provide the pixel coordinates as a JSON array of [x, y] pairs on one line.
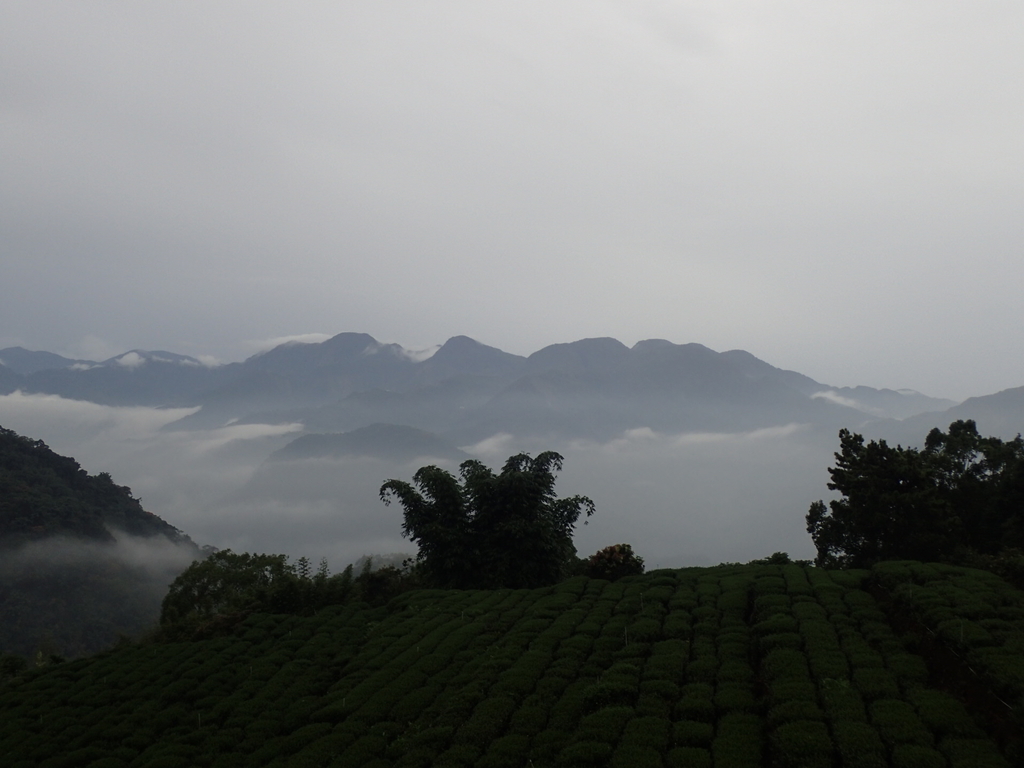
[[81, 562], [773, 665]]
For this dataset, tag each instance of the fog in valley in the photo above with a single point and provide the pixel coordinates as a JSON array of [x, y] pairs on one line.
[[686, 499]]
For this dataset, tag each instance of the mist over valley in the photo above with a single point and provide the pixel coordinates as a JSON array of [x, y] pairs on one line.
[[693, 456]]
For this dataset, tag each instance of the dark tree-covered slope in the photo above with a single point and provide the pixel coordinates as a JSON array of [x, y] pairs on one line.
[[81, 562], [43, 494]]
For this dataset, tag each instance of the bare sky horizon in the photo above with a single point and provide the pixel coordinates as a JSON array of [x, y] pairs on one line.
[[836, 188]]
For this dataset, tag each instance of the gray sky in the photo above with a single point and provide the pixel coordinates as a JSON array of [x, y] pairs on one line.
[[835, 187]]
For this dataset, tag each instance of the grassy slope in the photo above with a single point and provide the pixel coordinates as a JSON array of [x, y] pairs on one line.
[[727, 666]]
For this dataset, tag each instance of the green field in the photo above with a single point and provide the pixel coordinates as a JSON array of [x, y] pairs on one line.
[[909, 665]]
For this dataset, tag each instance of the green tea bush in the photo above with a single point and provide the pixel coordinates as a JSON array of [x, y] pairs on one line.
[[770, 585], [586, 753], [942, 714], [738, 742], [842, 702], [663, 689], [780, 640], [735, 672], [702, 670], [635, 756], [829, 665], [784, 662], [809, 611], [734, 697], [692, 733], [688, 757], [652, 732], [859, 745], [898, 723], [506, 752], [695, 708], [910, 670], [915, 756], [604, 725], [875, 684], [776, 624], [529, 719], [971, 753], [801, 744], [793, 711]]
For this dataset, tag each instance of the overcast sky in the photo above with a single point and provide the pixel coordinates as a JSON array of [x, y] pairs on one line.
[[836, 187]]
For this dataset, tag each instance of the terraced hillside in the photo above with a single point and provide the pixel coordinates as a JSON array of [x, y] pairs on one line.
[[910, 666]]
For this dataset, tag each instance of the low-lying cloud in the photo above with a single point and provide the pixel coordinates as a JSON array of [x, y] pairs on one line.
[[679, 499]]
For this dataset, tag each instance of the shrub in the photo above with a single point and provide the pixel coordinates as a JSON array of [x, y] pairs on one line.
[[695, 708], [780, 640], [914, 756], [688, 757], [898, 723], [650, 732], [604, 725], [784, 662], [506, 752], [859, 745], [802, 744], [842, 702], [971, 753], [943, 714], [875, 684], [734, 697], [586, 753], [793, 711], [692, 733], [738, 743], [608, 694], [613, 563], [702, 670], [635, 756], [735, 672]]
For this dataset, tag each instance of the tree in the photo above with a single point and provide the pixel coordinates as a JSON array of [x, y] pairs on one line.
[[486, 530], [226, 582], [614, 563], [960, 494]]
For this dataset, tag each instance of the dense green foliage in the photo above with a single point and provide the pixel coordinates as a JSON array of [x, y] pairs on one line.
[[81, 562], [960, 497], [773, 665], [613, 563], [491, 530], [43, 494], [226, 587]]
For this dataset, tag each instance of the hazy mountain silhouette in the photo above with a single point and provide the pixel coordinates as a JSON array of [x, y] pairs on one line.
[[25, 361], [467, 391], [383, 441]]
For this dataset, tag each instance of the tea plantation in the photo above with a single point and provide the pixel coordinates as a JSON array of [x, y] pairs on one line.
[[908, 665]]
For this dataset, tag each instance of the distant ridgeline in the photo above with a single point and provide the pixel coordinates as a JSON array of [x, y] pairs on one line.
[[81, 562]]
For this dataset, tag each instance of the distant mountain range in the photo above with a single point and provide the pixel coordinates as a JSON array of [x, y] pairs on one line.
[[467, 391]]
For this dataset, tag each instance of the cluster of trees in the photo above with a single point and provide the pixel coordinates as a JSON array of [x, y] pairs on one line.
[[959, 498], [485, 530], [227, 586]]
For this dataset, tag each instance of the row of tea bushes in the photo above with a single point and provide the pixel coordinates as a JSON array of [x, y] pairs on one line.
[[726, 667], [974, 612]]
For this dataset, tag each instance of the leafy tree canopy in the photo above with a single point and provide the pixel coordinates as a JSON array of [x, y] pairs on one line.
[[487, 530], [961, 494]]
